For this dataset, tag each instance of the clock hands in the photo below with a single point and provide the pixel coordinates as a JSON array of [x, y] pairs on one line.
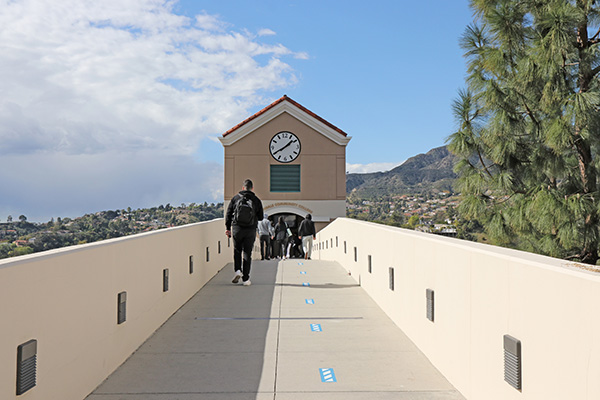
[[290, 142]]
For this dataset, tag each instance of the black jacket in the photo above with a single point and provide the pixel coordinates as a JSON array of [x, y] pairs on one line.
[[256, 205], [281, 231], [307, 228]]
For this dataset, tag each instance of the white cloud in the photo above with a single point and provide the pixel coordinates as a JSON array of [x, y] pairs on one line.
[[372, 167], [86, 76], [301, 56], [84, 81], [266, 32]]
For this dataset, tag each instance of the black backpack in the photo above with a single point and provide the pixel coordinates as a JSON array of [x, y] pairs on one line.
[[244, 214]]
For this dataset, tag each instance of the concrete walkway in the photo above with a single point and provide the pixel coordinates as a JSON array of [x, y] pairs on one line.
[[303, 330]]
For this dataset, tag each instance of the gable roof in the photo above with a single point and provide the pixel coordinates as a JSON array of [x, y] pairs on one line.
[[287, 105]]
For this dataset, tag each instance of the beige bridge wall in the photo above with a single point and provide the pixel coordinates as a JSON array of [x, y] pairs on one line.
[[66, 299], [482, 292]]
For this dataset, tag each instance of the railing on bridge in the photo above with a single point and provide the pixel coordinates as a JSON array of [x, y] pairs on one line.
[[498, 323], [477, 312], [81, 311]]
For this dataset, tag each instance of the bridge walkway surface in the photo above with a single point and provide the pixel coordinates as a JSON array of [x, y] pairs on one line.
[[303, 330]]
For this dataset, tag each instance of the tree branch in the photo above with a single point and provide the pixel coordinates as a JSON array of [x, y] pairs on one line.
[[483, 164]]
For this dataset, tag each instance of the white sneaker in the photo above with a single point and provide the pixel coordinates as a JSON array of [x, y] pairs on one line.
[[237, 276], [247, 283]]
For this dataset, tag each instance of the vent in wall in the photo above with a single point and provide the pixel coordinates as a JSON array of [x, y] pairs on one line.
[[430, 304], [26, 366], [121, 307], [512, 361], [165, 280]]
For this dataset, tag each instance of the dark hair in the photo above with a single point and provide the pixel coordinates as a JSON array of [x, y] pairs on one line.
[[308, 216], [248, 184], [280, 220]]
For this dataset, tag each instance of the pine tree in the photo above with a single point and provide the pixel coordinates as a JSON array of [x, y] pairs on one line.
[[529, 125]]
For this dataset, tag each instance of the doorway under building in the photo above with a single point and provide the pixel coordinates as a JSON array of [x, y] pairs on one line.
[[293, 223]]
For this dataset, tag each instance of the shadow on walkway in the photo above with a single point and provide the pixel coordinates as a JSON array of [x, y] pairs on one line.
[[279, 339], [205, 350]]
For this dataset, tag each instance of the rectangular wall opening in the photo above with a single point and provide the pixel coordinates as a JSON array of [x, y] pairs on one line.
[[26, 366], [429, 294], [512, 362], [121, 307], [165, 280]]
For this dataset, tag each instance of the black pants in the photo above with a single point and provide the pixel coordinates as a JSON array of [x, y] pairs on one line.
[[243, 241], [280, 247], [265, 246]]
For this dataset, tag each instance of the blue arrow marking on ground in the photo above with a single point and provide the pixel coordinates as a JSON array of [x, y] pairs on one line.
[[310, 301], [316, 328], [327, 375], [306, 284], [303, 273]]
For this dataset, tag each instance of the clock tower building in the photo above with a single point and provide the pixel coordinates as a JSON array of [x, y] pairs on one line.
[[296, 159]]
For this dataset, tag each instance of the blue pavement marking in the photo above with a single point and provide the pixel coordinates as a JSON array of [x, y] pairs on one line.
[[310, 301], [300, 263], [327, 375], [306, 284], [303, 273], [316, 328]]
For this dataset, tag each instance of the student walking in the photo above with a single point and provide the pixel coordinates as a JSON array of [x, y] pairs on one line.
[[280, 237], [243, 213], [306, 232], [264, 234]]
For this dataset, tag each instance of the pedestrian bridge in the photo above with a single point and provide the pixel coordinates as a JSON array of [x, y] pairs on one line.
[[379, 313]]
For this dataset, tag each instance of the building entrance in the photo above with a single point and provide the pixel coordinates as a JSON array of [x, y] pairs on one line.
[[292, 246]]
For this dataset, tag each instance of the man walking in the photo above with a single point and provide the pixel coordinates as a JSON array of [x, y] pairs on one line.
[[306, 232], [241, 220], [264, 234]]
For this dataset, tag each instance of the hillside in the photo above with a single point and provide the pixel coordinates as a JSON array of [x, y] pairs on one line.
[[22, 237], [423, 173]]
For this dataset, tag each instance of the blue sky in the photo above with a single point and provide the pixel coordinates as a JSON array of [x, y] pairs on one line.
[[116, 104], [383, 71]]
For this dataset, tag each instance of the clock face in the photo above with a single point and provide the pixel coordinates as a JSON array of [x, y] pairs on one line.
[[285, 147]]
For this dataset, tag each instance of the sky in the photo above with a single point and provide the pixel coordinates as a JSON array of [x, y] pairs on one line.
[[112, 104]]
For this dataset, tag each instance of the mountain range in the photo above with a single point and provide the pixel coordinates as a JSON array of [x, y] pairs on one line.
[[423, 173]]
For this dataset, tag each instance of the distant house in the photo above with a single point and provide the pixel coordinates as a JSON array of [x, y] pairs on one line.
[[21, 243]]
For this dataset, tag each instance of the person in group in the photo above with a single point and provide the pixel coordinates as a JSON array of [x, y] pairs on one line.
[[264, 234], [280, 237], [243, 213], [272, 235], [306, 233], [294, 247], [273, 241]]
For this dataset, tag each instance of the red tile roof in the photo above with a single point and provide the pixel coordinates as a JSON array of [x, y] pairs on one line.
[[282, 99]]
